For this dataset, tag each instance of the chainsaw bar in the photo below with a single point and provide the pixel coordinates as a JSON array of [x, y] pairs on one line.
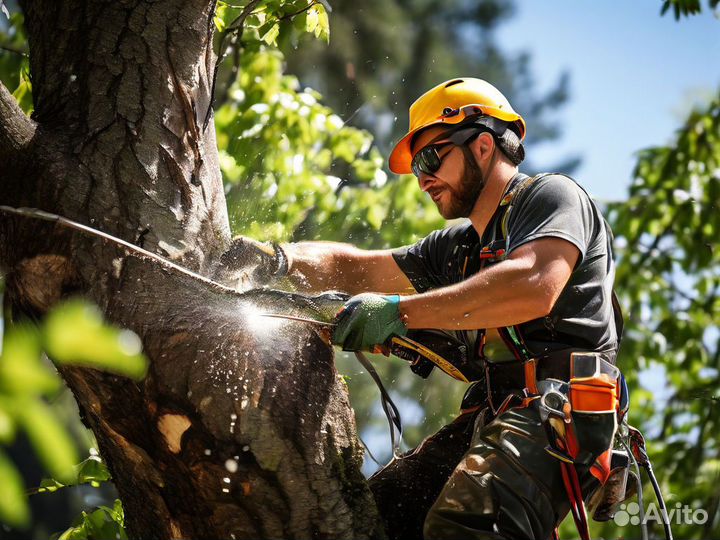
[[299, 319]]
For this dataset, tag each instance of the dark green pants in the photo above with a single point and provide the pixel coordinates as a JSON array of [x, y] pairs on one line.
[[473, 480]]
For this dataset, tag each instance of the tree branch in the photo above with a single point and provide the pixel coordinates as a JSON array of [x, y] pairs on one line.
[[16, 129], [291, 15], [234, 28], [14, 50]]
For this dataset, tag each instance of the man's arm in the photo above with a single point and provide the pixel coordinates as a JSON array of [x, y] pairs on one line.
[[522, 288], [322, 266]]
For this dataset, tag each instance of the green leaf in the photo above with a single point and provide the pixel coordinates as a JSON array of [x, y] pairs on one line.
[[14, 508], [21, 370], [219, 18], [93, 471], [322, 30], [49, 439], [90, 471], [117, 512], [75, 334], [7, 426], [23, 92], [375, 216], [311, 20], [299, 22], [78, 531], [101, 524], [269, 32], [50, 485]]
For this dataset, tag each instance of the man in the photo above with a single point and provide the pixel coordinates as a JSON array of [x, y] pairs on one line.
[[522, 284]]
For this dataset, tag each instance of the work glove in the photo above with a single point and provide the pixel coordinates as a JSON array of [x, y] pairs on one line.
[[260, 262], [367, 322]]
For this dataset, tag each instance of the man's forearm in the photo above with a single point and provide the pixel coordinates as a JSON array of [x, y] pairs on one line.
[[313, 266], [511, 292]]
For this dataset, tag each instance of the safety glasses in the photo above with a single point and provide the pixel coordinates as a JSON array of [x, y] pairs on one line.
[[428, 161]]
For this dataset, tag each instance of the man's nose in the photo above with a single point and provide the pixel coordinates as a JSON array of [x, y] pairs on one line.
[[425, 181]]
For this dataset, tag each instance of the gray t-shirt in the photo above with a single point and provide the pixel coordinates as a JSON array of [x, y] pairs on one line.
[[552, 205]]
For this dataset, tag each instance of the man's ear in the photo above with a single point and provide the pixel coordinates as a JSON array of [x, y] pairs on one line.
[[483, 146]]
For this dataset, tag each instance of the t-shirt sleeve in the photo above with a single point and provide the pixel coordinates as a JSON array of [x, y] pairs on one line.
[[425, 262], [552, 206]]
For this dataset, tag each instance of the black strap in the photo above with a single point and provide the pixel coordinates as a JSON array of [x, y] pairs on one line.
[[391, 411], [618, 317], [519, 349], [512, 335]]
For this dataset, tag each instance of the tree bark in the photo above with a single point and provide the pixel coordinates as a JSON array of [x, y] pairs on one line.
[[242, 428]]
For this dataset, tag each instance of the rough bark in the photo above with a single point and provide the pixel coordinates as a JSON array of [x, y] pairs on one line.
[[242, 428]]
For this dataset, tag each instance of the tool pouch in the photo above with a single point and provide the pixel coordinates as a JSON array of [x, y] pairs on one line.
[[593, 383], [593, 394], [595, 432], [618, 488]]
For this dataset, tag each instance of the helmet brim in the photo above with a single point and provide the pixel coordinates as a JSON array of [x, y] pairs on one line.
[[400, 159]]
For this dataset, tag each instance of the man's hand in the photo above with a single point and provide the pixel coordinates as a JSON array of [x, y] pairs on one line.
[[368, 320]]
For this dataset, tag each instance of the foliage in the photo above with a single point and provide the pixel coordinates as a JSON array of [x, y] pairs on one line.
[[73, 333], [669, 280], [686, 7], [386, 53], [92, 343], [274, 20], [90, 471], [103, 523], [292, 168], [278, 145], [14, 60]]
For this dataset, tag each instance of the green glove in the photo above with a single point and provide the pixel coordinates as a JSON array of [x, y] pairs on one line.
[[368, 320]]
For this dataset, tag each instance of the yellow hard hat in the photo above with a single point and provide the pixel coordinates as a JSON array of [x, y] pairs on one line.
[[452, 102]]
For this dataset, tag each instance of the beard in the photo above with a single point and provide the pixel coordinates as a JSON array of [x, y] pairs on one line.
[[464, 197]]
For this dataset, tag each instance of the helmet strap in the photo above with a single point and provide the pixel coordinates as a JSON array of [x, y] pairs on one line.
[[474, 166]]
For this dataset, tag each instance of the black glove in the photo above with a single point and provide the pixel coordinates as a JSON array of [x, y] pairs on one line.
[[260, 261]]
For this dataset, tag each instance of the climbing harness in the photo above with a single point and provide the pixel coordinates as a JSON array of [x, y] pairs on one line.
[[581, 396]]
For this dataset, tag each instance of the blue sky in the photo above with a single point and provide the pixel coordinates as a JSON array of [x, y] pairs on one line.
[[633, 77]]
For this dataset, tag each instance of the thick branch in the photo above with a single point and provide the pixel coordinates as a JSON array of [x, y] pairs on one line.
[[16, 130]]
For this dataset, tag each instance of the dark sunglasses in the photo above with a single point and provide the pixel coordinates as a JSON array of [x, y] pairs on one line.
[[427, 160]]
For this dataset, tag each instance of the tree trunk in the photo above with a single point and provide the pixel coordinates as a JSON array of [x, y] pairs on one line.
[[242, 428]]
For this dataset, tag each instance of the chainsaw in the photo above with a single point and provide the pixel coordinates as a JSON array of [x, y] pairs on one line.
[[423, 349]]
